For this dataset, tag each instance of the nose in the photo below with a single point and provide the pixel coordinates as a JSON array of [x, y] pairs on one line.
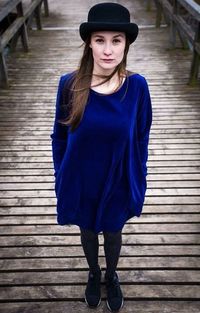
[[107, 49]]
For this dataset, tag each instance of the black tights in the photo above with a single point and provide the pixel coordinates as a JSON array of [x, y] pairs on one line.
[[112, 247]]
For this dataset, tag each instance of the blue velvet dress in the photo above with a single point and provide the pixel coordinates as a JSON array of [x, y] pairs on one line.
[[100, 169]]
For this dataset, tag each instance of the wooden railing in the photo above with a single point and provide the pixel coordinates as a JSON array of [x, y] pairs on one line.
[[17, 27], [183, 17]]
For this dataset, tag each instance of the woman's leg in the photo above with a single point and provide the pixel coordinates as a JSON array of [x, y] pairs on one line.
[[90, 244], [112, 248]]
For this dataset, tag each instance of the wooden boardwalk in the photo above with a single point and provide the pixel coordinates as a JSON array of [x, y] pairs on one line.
[[42, 266]]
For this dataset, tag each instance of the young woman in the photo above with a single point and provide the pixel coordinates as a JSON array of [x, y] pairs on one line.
[[100, 144]]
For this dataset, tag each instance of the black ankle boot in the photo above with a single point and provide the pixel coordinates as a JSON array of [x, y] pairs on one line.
[[93, 289], [115, 299]]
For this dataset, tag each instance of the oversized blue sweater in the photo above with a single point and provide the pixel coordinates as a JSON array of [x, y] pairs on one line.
[[100, 169]]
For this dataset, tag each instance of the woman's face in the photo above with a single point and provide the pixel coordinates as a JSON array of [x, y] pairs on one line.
[[107, 49]]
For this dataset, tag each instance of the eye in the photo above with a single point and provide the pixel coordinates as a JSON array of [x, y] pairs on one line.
[[99, 40], [116, 40]]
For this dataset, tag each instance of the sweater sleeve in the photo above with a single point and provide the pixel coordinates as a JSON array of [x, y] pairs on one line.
[[60, 131], [144, 121]]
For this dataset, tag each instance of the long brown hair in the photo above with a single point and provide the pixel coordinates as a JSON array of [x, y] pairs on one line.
[[76, 90]]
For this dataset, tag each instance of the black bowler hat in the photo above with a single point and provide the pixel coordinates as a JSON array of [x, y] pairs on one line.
[[109, 16]]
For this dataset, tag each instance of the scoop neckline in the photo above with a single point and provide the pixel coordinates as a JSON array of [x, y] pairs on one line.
[[110, 94]]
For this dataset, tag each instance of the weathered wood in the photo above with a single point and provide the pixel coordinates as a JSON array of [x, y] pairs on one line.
[[183, 228], [3, 71], [46, 7], [183, 148], [156, 262], [181, 160], [129, 276], [196, 57], [64, 240], [165, 200], [40, 192], [46, 219], [41, 176], [17, 28], [40, 252], [41, 170], [166, 210], [77, 292], [40, 260], [6, 7], [148, 306], [186, 32]]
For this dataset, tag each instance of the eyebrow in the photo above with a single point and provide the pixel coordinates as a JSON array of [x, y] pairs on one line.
[[119, 35]]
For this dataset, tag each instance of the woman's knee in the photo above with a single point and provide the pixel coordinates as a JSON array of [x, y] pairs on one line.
[[88, 235], [112, 237]]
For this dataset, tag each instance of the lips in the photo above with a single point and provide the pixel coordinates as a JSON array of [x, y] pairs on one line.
[[107, 60]]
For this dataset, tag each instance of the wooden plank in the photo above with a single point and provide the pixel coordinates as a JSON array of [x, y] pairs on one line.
[[180, 179], [159, 118], [50, 219], [17, 172], [44, 145], [6, 7], [160, 200], [50, 192], [47, 209], [77, 292], [167, 210], [162, 132], [145, 306], [40, 252], [11, 31], [174, 184], [161, 149], [126, 276], [177, 114], [10, 180], [42, 262], [46, 162], [137, 262], [64, 240], [49, 171], [162, 153], [166, 170], [183, 228]]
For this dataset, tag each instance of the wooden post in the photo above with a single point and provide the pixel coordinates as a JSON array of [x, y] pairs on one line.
[[196, 58], [148, 5], [38, 17], [158, 13], [46, 8], [13, 41], [24, 35], [184, 42], [172, 35], [3, 71]]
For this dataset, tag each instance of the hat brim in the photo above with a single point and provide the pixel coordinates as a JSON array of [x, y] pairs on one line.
[[131, 29]]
